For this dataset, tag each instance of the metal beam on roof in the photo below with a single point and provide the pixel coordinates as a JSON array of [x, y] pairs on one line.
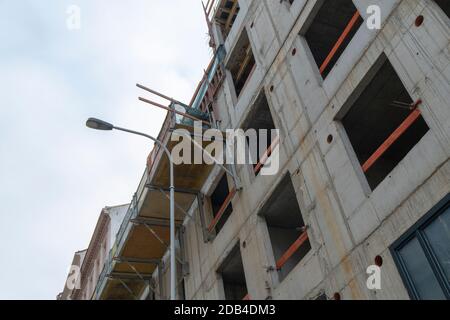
[[136, 260], [151, 222], [177, 190], [128, 276]]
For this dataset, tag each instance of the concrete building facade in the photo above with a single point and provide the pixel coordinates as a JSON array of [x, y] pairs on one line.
[[353, 218], [364, 143]]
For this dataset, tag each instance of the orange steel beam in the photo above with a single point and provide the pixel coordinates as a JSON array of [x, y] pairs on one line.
[[172, 110], [408, 122], [339, 42], [212, 43], [222, 210], [267, 154], [140, 86], [205, 76], [207, 5], [211, 6], [292, 249]]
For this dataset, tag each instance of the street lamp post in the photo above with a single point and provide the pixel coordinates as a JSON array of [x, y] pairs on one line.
[[105, 126]]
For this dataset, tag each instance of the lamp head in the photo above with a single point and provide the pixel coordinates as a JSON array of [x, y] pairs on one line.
[[98, 124]]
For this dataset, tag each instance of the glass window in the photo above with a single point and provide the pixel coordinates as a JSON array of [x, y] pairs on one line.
[[438, 235], [422, 276], [423, 255]]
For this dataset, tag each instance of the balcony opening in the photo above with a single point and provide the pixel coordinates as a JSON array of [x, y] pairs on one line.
[[242, 62], [226, 15], [286, 227], [233, 276], [444, 5], [383, 124], [221, 205], [334, 25], [260, 119]]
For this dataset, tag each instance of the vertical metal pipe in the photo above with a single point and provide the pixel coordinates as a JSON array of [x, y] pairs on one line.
[[173, 267]]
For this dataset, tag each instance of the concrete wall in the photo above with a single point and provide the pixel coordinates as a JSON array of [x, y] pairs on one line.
[[348, 223]]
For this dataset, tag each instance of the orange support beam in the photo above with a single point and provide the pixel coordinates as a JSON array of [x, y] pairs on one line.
[[209, 6], [339, 42], [222, 210], [409, 121], [292, 249], [173, 110], [266, 155]]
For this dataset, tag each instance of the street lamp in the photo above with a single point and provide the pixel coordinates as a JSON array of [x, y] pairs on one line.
[[97, 124]]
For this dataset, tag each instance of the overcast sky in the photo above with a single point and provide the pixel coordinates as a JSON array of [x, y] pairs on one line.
[[55, 174]]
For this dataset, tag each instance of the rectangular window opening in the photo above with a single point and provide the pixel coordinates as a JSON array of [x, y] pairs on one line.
[[233, 276], [333, 27], [286, 228], [221, 204], [260, 119], [242, 62], [382, 125], [444, 5]]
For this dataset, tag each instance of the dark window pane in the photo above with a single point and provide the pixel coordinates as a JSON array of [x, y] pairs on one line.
[[438, 234], [420, 271]]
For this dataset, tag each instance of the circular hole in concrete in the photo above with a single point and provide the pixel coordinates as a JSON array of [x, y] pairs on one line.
[[251, 26], [378, 261], [330, 139], [294, 51], [419, 21], [337, 296], [271, 88], [244, 244]]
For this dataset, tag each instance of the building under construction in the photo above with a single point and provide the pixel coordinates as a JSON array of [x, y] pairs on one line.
[[364, 142]]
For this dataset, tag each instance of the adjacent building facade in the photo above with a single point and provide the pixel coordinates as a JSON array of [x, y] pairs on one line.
[[362, 193], [88, 264], [73, 279]]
